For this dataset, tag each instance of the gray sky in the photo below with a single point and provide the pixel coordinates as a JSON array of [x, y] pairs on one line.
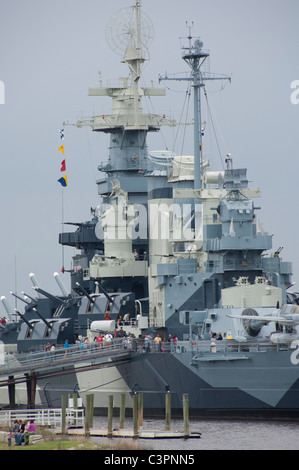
[[51, 52]]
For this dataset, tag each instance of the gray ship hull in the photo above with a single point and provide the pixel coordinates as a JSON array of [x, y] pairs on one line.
[[245, 384], [249, 381]]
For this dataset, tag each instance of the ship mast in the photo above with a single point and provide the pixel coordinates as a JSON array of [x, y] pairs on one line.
[[195, 56], [129, 34]]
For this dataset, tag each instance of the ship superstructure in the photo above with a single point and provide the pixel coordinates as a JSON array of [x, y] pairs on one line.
[[180, 246], [129, 34]]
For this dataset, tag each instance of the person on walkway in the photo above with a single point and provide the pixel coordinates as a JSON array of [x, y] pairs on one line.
[[66, 346], [158, 341], [127, 319], [99, 340], [107, 316]]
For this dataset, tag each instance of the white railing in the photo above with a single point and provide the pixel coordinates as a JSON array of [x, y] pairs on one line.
[[44, 417]]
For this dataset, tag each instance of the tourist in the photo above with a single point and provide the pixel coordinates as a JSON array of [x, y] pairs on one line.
[[66, 346], [107, 316], [127, 319], [19, 436], [31, 429], [158, 341]]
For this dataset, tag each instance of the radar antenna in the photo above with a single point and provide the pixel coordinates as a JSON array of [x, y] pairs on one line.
[[130, 32]]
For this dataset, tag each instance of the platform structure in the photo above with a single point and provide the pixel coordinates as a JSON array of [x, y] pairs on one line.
[[76, 420]]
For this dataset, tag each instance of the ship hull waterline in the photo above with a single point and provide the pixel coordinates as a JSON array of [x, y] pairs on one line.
[[248, 386]]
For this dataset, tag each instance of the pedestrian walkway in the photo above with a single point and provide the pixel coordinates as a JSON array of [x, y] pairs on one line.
[[37, 361]]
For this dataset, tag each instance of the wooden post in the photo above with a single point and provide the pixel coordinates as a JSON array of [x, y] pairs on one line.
[[74, 396], [167, 411], [12, 392], [186, 414], [75, 400], [31, 387], [89, 412], [122, 410], [63, 413], [140, 409], [135, 416], [91, 407], [110, 415]]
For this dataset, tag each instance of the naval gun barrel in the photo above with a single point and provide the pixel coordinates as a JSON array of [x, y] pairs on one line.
[[42, 318], [47, 294], [6, 306], [60, 284], [104, 292], [20, 298], [29, 297], [85, 293], [34, 282], [24, 319]]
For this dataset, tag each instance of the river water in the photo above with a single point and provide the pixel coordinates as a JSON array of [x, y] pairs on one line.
[[217, 434]]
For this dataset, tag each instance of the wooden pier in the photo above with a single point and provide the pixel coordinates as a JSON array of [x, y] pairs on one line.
[[138, 430], [142, 433], [73, 419]]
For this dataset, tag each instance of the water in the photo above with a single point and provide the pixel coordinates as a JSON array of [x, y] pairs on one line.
[[217, 434]]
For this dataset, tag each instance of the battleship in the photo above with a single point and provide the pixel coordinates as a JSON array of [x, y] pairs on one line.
[[179, 246]]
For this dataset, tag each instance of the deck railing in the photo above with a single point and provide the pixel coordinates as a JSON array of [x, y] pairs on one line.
[[14, 363], [44, 417], [41, 359]]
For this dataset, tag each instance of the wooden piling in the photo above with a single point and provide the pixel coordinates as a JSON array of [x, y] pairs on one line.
[[122, 410], [140, 409], [75, 398], [186, 414], [110, 415], [89, 413], [63, 413], [91, 408], [31, 388], [12, 392], [135, 416], [73, 402], [167, 411]]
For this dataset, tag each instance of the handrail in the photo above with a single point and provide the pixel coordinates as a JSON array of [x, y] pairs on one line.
[[44, 416], [19, 362], [41, 359]]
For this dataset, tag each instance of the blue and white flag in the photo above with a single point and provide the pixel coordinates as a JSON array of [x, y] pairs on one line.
[[61, 132]]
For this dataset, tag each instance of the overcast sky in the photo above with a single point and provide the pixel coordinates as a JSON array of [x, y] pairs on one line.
[[52, 51]]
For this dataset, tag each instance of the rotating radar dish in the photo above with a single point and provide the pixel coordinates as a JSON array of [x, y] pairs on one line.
[[130, 29]]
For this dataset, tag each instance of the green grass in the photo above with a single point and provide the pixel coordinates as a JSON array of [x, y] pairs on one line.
[[59, 444], [52, 442]]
